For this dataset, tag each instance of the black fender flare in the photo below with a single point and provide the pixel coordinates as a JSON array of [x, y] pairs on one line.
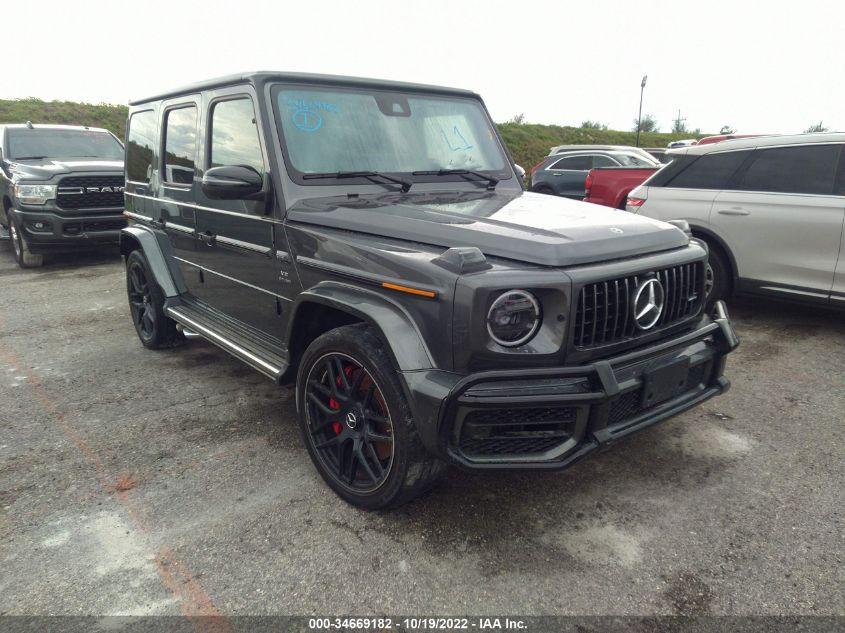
[[709, 236], [158, 253], [398, 328]]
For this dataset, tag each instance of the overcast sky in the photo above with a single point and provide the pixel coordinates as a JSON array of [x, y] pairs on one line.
[[771, 66]]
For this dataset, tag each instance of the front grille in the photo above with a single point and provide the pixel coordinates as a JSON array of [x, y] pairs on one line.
[[629, 404], [497, 432], [605, 314], [84, 192]]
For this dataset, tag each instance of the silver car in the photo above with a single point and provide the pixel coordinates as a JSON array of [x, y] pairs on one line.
[[772, 210]]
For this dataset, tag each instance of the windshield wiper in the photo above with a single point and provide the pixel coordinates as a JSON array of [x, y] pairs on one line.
[[370, 175], [491, 181]]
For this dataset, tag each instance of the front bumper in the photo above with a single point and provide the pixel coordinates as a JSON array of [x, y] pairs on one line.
[[550, 418], [64, 232]]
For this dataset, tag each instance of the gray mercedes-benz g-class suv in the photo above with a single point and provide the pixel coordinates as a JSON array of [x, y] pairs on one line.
[[61, 188], [371, 242]]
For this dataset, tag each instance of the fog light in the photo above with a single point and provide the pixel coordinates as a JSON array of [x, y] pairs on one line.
[[41, 227]]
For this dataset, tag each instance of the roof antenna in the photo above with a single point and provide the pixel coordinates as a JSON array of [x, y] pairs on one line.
[[29, 124]]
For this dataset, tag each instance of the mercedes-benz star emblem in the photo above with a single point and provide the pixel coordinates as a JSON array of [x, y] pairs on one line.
[[351, 420], [647, 303]]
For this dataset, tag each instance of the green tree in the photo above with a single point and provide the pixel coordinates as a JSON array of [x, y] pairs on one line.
[[649, 124], [818, 127], [518, 119], [593, 125]]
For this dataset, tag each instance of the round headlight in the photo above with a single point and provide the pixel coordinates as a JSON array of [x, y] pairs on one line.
[[513, 318]]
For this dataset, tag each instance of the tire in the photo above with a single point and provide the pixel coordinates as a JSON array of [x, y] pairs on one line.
[[347, 372], [23, 256], [146, 305], [718, 283], [545, 189]]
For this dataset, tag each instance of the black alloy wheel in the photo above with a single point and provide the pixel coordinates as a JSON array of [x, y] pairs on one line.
[[141, 300], [350, 426]]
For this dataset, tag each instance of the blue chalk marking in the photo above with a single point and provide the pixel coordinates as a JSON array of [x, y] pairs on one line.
[[459, 148], [307, 121]]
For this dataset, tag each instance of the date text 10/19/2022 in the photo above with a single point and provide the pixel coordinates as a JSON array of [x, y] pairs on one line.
[[417, 624]]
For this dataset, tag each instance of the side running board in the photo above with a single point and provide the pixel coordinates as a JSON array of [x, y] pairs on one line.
[[267, 363]]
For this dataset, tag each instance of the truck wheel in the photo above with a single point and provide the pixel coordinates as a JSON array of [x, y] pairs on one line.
[[23, 256], [356, 422], [146, 304], [717, 284]]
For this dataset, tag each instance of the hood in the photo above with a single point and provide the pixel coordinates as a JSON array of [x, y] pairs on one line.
[[45, 168], [518, 225]]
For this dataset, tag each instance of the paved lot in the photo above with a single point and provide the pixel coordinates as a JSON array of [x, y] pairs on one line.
[[175, 482]]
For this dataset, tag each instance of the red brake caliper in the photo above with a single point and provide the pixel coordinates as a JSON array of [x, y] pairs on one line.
[[337, 427]]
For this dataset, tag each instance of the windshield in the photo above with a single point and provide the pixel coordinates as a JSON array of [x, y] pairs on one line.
[[52, 143], [346, 130]]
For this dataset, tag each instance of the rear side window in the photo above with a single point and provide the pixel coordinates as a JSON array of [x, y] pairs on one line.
[[603, 161], [234, 135], [710, 171], [141, 140], [180, 145], [802, 169], [579, 163]]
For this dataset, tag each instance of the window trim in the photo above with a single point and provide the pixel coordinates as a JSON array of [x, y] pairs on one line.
[[182, 105], [209, 120], [126, 148]]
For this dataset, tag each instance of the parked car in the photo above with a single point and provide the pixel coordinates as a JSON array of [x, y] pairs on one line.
[[610, 186], [660, 154], [61, 188], [772, 210], [565, 174], [684, 143], [718, 138], [370, 241], [566, 149]]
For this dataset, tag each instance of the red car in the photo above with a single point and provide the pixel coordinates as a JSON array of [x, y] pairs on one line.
[[723, 137], [610, 186]]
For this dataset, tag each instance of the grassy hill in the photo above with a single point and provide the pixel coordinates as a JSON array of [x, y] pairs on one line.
[[528, 142]]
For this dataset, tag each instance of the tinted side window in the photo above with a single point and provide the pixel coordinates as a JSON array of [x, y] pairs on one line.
[[139, 149], [581, 163], [234, 135], [603, 161], [180, 145], [802, 169], [710, 171]]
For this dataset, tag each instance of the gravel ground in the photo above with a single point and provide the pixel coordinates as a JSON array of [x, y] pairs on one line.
[[139, 482]]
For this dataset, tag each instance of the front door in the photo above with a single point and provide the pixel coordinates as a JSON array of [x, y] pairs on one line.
[[241, 243], [783, 221]]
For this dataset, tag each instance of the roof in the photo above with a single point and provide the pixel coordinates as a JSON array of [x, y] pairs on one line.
[[557, 149], [761, 141], [50, 126], [260, 77]]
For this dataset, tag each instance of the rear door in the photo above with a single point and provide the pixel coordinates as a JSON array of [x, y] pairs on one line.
[[783, 221], [177, 172], [568, 175], [240, 242], [837, 295]]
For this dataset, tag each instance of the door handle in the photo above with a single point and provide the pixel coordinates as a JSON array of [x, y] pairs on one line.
[[207, 238], [734, 211]]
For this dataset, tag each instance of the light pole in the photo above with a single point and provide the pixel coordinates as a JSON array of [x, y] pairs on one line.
[[640, 115]]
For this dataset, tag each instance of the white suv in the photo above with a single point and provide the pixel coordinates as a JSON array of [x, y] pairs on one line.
[[772, 210]]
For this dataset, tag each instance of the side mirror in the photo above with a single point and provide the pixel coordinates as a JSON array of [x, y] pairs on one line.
[[233, 182], [519, 171]]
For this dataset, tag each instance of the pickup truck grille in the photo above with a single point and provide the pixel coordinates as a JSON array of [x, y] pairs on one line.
[[90, 192], [605, 313]]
